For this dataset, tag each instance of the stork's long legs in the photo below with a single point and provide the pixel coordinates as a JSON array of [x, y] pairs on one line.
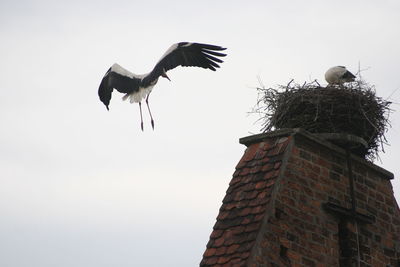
[[141, 117], [148, 107], [141, 114]]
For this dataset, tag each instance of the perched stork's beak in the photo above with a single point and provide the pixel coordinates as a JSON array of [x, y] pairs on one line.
[[164, 74]]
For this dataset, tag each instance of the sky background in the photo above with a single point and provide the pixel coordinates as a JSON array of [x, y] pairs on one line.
[[83, 187]]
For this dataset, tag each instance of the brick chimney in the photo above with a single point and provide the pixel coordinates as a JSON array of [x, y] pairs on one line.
[[298, 200]]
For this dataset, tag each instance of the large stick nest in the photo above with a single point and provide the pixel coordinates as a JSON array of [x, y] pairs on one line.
[[352, 108]]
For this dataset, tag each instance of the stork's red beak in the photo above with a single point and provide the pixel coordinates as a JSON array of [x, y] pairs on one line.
[[164, 74]]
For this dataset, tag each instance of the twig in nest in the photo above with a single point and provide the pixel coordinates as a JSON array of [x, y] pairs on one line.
[[352, 109]]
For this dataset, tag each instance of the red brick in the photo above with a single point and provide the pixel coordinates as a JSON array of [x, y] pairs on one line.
[[239, 195], [222, 215], [222, 260], [260, 185], [231, 249], [262, 194], [209, 252], [270, 182], [220, 251], [318, 238], [210, 261], [294, 256], [237, 229], [245, 171], [255, 169], [286, 243], [235, 180], [295, 151], [245, 212], [216, 233], [252, 227], [230, 206], [218, 242], [250, 152], [265, 145], [258, 209]]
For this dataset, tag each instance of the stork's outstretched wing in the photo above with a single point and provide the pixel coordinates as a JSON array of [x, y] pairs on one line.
[[120, 79], [188, 55]]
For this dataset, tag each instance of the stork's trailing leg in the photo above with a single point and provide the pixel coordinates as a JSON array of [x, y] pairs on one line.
[[151, 117], [141, 117]]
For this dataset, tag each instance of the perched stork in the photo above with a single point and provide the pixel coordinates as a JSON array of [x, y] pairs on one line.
[[339, 75], [138, 87]]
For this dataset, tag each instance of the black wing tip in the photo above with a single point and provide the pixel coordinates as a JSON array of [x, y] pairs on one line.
[[210, 52], [212, 47], [203, 46], [349, 75], [197, 55], [105, 98], [211, 58]]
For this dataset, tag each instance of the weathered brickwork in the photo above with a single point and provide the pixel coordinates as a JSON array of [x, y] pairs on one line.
[[244, 205], [275, 213]]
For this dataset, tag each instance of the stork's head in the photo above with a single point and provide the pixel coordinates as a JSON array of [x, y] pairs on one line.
[[164, 74]]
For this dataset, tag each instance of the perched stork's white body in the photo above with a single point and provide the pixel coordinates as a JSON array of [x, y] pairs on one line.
[[138, 87], [339, 75]]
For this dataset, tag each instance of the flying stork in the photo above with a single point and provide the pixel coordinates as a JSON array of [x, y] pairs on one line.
[[339, 75], [138, 87]]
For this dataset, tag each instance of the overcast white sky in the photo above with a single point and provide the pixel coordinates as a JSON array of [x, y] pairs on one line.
[[80, 186]]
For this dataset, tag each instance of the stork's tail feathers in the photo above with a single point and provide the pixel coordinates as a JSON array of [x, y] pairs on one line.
[[125, 97], [138, 96]]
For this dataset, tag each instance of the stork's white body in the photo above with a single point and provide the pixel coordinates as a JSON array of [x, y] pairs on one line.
[[338, 75], [137, 96], [142, 93]]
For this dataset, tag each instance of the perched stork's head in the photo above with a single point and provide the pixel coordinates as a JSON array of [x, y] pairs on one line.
[[164, 74]]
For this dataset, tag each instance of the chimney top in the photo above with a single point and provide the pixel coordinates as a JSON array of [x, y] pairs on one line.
[[288, 204]]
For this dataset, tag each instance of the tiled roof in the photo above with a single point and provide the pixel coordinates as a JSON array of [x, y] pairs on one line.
[[244, 206]]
